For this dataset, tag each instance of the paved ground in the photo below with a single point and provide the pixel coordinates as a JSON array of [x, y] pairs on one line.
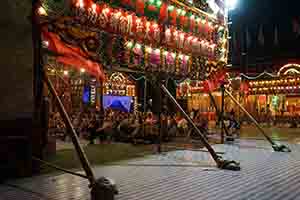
[[182, 175]]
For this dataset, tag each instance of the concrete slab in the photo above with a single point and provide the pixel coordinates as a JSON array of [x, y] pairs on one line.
[[182, 175]]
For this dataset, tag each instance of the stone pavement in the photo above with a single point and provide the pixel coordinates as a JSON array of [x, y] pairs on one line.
[[181, 175]]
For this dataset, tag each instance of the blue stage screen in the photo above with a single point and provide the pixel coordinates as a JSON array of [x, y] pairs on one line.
[[122, 103], [86, 95]]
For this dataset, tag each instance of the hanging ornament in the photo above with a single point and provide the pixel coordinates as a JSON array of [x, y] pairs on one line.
[[152, 8], [181, 40], [93, 14], [129, 24], [197, 24], [184, 65], [154, 58], [140, 6], [188, 43], [182, 19], [124, 23], [156, 32], [192, 22], [104, 17], [115, 20], [163, 60], [170, 61], [138, 54], [173, 16], [177, 64], [194, 45], [140, 28], [163, 12], [128, 48], [147, 35], [168, 36]]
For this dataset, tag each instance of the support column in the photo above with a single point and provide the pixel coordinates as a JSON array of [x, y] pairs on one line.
[[276, 147], [145, 95], [223, 164], [222, 114]]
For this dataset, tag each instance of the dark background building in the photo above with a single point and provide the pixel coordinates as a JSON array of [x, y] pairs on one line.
[[264, 33]]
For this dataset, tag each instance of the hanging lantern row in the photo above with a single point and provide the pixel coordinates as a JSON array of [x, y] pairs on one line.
[[155, 59], [275, 82], [164, 11], [187, 88], [281, 89], [128, 24], [139, 56]]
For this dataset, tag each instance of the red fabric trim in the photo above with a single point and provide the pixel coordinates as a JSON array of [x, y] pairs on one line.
[[71, 55]]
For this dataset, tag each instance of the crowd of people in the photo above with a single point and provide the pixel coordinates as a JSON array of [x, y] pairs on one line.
[[119, 126]]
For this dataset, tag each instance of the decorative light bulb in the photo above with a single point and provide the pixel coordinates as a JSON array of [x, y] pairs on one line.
[[106, 10], [168, 31], [118, 14], [165, 53], [170, 8], [94, 7], [138, 46], [182, 35], [183, 12], [158, 3], [149, 49], [157, 51], [203, 21], [66, 73], [151, 1], [198, 20], [192, 17], [129, 44], [179, 11], [82, 70], [45, 43], [173, 55], [42, 11], [81, 4]]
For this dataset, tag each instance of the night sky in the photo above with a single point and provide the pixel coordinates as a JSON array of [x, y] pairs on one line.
[[251, 14]]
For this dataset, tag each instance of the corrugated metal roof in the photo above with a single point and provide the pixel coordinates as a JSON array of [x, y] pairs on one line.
[[181, 175]]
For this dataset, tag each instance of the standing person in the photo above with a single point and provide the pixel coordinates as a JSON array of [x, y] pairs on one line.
[[164, 127], [104, 131], [172, 126], [268, 115], [232, 121], [76, 125], [93, 126]]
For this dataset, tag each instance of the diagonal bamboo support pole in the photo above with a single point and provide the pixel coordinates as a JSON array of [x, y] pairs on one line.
[[220, 116], [223, 164], [70, 129], [276, 147], [102, 188]]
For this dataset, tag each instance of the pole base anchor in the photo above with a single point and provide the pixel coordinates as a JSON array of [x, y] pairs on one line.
[[229, 165], [104, 188], [281, 148]]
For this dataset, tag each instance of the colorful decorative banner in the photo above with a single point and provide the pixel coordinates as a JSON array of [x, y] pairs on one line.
[[149, 32], [72, 56]]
